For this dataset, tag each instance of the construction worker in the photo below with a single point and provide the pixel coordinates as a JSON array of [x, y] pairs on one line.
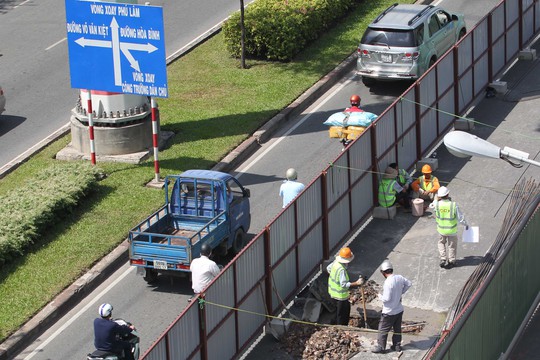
[[403, 177], [290, 187], [392, 313], [426, 186], [448, 215], [390, 190], [355, 104], [339, 284]]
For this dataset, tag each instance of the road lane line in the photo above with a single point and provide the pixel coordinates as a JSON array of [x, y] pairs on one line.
[[24, 2], [79, 313], [56, 43], [281, 138]]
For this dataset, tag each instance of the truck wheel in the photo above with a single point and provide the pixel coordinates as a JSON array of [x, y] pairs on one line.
[[239, 241], [150, 276]]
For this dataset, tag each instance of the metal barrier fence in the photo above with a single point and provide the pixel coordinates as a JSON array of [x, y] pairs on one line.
[[282, 259]]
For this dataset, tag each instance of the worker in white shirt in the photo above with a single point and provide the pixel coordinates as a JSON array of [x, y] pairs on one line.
[[203, 270], [392, 313], [290, 187]]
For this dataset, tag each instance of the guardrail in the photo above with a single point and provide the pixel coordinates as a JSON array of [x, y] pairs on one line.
[[281, 259]]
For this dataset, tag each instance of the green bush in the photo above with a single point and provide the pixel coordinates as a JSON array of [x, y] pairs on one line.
[[32, 207], [279, 29]]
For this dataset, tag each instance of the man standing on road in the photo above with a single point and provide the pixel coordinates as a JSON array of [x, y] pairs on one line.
[[339, 284], [392, 313], [203, 270], [290, 187], [426, 186], [448, 215]]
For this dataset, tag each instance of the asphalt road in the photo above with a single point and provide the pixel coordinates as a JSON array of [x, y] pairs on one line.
[[34, 65], [303, 144]]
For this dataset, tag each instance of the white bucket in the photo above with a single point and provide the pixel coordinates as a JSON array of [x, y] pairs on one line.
[[418, 207]]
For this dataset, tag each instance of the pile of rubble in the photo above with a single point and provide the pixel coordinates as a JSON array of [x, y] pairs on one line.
[[328, 343], [370, 289]]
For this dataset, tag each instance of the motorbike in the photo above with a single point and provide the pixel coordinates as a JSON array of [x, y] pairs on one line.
[[132, 338]]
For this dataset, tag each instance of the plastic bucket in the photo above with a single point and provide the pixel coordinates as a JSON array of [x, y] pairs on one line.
[[418, 207]]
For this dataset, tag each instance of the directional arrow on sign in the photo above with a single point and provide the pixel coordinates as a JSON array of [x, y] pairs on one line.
[[118, 46]]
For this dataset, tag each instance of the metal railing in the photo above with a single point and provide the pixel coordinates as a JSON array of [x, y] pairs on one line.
[[281, 259]]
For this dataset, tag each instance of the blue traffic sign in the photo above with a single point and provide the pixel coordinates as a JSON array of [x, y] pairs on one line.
[[116, 47]]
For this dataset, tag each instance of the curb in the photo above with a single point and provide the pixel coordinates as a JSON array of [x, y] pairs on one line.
[[84, 285]]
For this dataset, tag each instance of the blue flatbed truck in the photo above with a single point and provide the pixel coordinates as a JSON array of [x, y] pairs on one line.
[[201, 206]]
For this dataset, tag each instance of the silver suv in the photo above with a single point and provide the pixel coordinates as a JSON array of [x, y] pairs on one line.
[[405, 40]]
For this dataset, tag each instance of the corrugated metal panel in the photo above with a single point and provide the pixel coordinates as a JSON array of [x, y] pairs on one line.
[[428, 90], [512, 42], [428, 129], [248, 324], [222, 344], [282, 235], [481, 41], [158, 351], [311, 251], [481, 75], [184, 336], [338, 222], [220, 292], [284, 279], [406, 111], [465, 87], [445, 73], [528, 21], [359, 155], [385, 132], [446, 110], [309, 206], [337, 179], [497, 21], [512, 11], [406, 149], [250, 267], [362, 199]]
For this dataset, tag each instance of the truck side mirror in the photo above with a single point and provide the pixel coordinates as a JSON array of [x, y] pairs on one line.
[[247, 193]]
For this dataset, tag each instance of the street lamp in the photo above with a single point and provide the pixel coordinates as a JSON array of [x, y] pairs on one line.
[[462, 144]]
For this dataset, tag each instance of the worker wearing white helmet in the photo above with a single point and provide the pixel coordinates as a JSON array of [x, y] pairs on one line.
[[392, 312], [447, 214], [290, 187]]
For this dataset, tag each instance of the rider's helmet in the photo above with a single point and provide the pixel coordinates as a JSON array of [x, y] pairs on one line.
[[386, 265], [105, 310], [355, 100]]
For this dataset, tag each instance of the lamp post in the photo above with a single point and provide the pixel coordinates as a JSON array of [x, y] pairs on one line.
[[462, 144]]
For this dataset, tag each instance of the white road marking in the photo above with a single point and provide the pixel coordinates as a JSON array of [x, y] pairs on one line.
[[56, 43], [24, 2], [79, 313], [281, 138]]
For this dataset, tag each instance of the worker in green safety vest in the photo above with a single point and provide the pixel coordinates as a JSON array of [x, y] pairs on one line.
[[448, 215], [339, 284], [391, 191]]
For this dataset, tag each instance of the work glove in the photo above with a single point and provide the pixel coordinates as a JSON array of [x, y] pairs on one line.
[[361, 281]]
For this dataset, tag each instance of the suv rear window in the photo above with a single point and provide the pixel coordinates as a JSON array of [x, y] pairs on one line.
[[390, 37]]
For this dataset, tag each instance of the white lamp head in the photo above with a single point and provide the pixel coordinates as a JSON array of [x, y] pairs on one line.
[[462, 144]]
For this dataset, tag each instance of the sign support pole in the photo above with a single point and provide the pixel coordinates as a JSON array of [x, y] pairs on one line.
[[155, 137], [91, 129]]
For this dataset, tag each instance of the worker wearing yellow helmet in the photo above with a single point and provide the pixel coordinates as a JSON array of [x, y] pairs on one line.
[[426, 186], [339, 284]]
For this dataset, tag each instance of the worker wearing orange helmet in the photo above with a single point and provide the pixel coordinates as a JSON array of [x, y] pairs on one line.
[[355, 104], [426, 186], [339, 284]]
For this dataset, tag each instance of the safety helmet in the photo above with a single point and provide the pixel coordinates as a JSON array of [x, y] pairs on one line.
[[386, 265], [426, 169], [206, 250], [443, 191], [291, 174], [345, 255], [105, 310], [355, 100]]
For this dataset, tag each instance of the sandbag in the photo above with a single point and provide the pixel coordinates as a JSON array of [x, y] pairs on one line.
[[345, 119]]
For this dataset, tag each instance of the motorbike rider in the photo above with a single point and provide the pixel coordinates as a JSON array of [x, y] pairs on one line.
[[108, 334]]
